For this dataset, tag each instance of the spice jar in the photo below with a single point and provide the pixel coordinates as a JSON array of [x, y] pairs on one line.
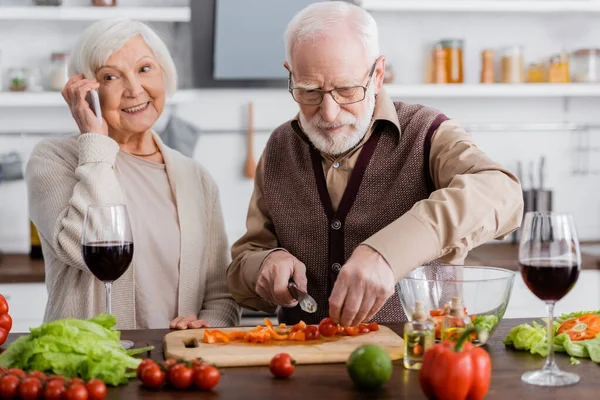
[[487, 66], [59, 74], [17, 79], [104, 3], [558, 70], [586, 65], [512, 65], [439, 65], [536, 73], [453, 50]]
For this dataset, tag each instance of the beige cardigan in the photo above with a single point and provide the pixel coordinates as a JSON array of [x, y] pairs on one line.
[[65, 175]]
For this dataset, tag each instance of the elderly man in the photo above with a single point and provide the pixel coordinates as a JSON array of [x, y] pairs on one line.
[[358, 190]]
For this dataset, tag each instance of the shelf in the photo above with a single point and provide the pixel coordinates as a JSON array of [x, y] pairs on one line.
[[55, 99], [90, 13], [500, 6], [494, 90]]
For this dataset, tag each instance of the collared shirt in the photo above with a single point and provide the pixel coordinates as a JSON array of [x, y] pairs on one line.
[[475, 200]]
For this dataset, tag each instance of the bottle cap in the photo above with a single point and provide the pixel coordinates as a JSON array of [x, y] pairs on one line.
[[419, 314], [456, 307]]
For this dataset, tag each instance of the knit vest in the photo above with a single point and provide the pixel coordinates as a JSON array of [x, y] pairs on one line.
[[390, 176]]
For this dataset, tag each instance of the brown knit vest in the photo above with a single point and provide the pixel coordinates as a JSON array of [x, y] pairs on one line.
[[390, 176]]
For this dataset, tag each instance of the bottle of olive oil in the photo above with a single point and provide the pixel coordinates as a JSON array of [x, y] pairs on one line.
[[35, 252], [456, 322], [419, 335]]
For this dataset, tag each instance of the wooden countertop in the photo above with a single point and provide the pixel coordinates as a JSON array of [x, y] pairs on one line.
[[331, 381], [19, 268]]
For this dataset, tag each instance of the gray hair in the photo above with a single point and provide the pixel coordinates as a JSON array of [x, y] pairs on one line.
[[320, 18], [101, 39]]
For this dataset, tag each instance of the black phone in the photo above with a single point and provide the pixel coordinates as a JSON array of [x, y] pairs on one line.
[[94, 101]]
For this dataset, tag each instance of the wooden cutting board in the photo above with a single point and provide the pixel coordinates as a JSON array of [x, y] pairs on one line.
[[240, 354]]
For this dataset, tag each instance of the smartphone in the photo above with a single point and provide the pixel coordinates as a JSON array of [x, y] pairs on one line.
[[94, 101]]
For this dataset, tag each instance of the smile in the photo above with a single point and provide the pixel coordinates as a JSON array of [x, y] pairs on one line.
[[136, 108]]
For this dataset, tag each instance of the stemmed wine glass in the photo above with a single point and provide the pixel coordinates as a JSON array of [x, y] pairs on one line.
[[550, 262], [107, 246]]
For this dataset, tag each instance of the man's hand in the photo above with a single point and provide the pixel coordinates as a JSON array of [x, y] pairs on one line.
[[275, 273], [191, 322], [363, 286]]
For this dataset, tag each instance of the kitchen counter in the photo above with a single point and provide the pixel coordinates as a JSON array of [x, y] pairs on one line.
[[19, 268], [331, 381]]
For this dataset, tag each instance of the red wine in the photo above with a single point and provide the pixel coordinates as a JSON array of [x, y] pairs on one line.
[[108, 260], [550, 280]]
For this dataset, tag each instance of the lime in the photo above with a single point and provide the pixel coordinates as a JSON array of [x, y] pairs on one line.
[[369, 366]]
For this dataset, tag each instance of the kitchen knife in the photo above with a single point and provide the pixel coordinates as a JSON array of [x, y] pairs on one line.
[[307, 303]]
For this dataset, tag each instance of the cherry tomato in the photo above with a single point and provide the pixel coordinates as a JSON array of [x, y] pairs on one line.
[[373, 326], [75, 381], [76, 392], [327, 327], [17, 372], [169, 363], [56, 378], [54, 390], [145, 363], [180, 376], [38, 374], [3, 305], [9, 385], [312, 332], [206, 377], [153, 377], [362, 328], [6, 322], [282, 365], [30, 389], [96, 389], [340, 329]]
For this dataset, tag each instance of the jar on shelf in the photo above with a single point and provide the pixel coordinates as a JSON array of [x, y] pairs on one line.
[[59, 74], [512, 65], [48, 2], [440, 74], [558, 70], [453, 51], [104, 3], [388, 76], [586, 65], [487, 67], [17, 79], [536, 73]]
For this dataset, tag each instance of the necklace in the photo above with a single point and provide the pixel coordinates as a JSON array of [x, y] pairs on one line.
[[145, 155]]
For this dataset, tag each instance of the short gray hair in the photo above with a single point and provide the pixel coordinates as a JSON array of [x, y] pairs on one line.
[[101, 39], [320, 18]]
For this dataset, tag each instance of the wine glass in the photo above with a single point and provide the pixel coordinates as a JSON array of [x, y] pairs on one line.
[[550, 262], [107, 246]]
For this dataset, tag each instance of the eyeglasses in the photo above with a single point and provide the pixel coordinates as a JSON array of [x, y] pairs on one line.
[[342, 95]]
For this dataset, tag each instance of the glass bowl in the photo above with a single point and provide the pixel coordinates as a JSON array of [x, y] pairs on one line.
[[484, 291]]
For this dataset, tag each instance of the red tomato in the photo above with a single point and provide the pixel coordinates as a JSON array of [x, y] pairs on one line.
[[54, 390], [373, 326], [180, 376], [351, 330], [153, 377], [76, 392], [282, 365], [169, 363], [3, 336], [206, 377], [5, 322], [362, 328], [146, 363], [17, 372], [3, 305], [38, 374], [76, 381], [340, 329], [56, 378], [30, 389], [8, 386], [96, 389], [327, 327], [311, 332]]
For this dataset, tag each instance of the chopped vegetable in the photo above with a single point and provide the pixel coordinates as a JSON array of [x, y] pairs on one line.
[[584, 327], [75, 348], [574, 361]]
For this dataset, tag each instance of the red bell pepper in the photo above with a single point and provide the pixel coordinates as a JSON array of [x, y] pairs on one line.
[[458, 371]]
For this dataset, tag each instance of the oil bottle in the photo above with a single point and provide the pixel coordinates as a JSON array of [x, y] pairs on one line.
[[456, 322], [419, 335]]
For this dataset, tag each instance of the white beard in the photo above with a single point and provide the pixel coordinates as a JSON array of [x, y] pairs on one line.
[[338, 143]]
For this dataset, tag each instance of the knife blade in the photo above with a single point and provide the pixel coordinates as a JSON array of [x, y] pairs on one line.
[[307, 303]]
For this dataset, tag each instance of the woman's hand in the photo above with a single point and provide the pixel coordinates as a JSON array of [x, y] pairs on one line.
[[191, 322], [74, 94]]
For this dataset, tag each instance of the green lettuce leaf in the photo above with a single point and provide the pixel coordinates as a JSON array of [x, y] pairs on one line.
[[528, 337], [74, 348], [562, 318], [485, 322]]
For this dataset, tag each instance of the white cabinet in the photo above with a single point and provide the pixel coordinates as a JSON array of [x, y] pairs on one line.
[[26, 304]]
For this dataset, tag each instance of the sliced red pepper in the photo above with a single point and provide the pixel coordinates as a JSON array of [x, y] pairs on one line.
[[297, 335], [300, 326], [208, 337], [274, 334], [235, 335]]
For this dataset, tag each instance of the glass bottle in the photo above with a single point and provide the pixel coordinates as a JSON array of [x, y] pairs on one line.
[[487, 66], [454, 60], [512, 65], [419, 335], [456, 322], [59, 74]]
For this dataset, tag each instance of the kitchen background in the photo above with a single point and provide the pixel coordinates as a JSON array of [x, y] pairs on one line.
[[517, 123]]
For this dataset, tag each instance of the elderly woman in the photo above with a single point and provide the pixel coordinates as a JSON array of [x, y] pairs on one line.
[[181, 250]]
